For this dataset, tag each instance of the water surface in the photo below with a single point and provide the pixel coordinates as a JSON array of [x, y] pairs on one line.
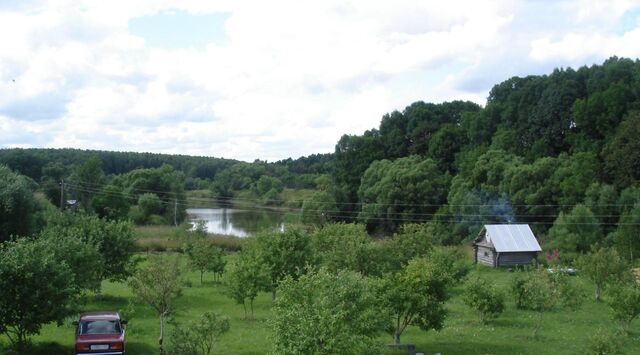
[[237, 222]]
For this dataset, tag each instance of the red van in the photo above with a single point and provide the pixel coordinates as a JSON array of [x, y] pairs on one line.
[[100, 333]]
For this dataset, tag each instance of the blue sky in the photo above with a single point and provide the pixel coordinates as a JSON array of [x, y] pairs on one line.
[[269, 80], [179, 29]]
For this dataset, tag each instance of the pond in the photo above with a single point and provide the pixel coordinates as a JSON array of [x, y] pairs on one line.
[[237, 222]]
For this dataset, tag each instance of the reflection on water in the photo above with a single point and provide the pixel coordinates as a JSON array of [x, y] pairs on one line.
[[237, 222]]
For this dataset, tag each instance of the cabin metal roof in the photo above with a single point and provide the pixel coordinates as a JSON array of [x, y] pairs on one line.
[[511, 237]]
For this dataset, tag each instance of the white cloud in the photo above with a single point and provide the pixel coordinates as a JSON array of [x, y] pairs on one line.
[[291, 76]]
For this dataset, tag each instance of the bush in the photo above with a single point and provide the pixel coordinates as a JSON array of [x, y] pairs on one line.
[[156, 220], [326, 313], [624, 301], [603, 343], [198, 337], [136, 215], [483, 298]]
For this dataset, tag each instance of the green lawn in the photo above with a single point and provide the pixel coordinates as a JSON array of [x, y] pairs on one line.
[[562, 332]]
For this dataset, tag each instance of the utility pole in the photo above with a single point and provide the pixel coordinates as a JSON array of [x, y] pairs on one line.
[[61, 194], [175, 212]]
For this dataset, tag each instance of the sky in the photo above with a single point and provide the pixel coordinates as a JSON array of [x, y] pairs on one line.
[[272, 79]]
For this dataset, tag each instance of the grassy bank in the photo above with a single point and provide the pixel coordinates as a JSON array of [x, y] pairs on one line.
[[562, 332], [170, 238]]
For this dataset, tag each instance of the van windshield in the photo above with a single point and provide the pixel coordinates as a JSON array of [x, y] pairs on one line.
[[99, 327]]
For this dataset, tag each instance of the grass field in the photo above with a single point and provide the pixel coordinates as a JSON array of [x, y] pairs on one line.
[[562, 332]]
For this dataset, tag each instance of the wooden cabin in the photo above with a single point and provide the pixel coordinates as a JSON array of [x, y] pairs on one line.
[[505, 245]]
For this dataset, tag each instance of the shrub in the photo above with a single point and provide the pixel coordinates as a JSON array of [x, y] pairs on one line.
[[603, 343], [326, 313], [484, 299], [624, 301], [198, 337]]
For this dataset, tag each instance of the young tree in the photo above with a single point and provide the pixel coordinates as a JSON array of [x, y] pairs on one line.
[[340, 246], [82, 258], [534, 292], [114, 241], [484, 298], [198, 337], [412, 241], [415, 296], [624, 301], [205, 256], [604, 343], [283, 254], [245, 277], [35, 289], [540, 291], [603, 266], [157, 284], [326, 313]]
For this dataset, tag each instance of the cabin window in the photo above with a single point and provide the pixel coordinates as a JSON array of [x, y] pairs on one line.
[[486, 253]]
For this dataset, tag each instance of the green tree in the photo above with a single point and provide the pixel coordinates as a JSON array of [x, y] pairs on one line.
[[407, 189], [415, 296], [114, 241], [326, 313], [621, 153], [150, 204], [158, 283], [268, 188], [198, 337], [445, 144], [86, 180], [166, 182], [577, 231], [534, 291], [52, 174], [111, 203], [18, 206], [602, 199], [627, 236], [353, 155], [597, 115], [245, 277], [604, 267], [283, 254], [342, 246], [413, 240], [35, 289], [205, 256], [624, 301], [83, 259], [319, 208], [483, 298]]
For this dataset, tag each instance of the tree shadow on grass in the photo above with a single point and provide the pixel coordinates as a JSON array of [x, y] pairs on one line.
[[46, 348], [141, 349]]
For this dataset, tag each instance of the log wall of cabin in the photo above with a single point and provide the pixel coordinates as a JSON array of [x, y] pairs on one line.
[[516, 258], [485, 255]]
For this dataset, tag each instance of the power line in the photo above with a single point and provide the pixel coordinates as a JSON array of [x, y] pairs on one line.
[[404, 216], [223, 199]]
